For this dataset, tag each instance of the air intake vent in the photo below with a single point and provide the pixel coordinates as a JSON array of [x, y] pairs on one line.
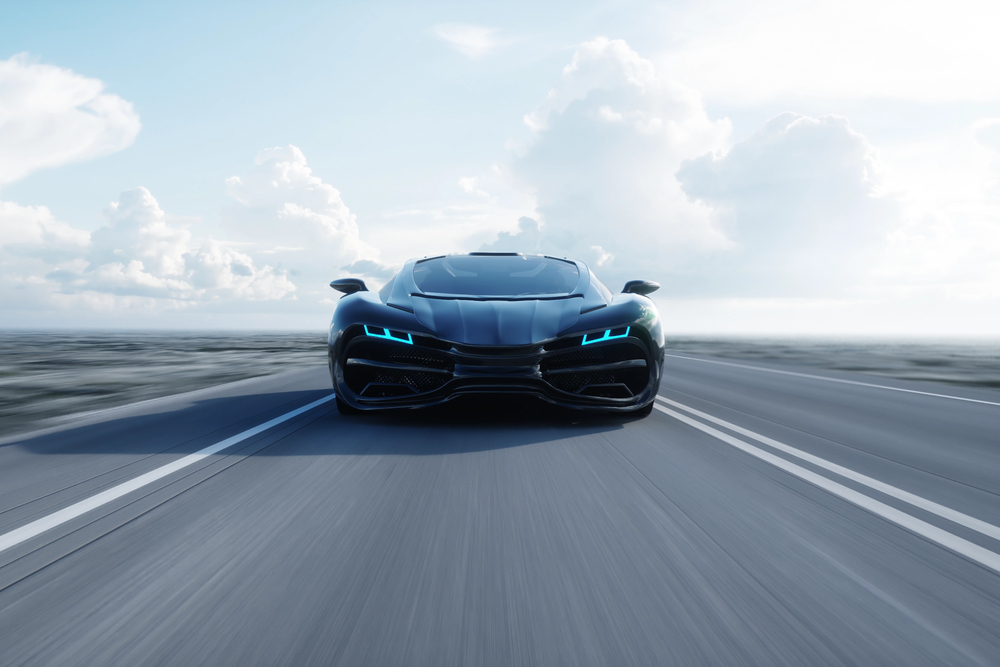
[[379, 369], [387, 351], [612, 370], [632, 380], [593, 356]]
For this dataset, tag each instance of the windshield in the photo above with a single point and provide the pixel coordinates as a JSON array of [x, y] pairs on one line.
[[496, 275]]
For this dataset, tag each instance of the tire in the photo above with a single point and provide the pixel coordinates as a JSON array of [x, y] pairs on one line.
[[345, 409], [645, 411]]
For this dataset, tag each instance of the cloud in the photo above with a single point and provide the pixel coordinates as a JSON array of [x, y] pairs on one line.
[[598, 64], [470, 186], [303, 226], [33, 243], [526, 240], [813, 211], [628, 172], [297, 219], [33, 231], [138, 232], [939, 257], [802, 201], [51, 116], [369, 268], [140, 259], [600, 255], [949, 243], [608, 138], [281, 200], [142, 253], [746, 53], [470, 40]]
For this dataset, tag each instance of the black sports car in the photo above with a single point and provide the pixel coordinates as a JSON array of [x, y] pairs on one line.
[[495, 323]]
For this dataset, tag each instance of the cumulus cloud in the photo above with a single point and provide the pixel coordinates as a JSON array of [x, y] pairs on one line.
[[601, 64], [470, 40], [801, 200], [627, 171], [299, 220], [141, 252], [51, 116], [526, 240], [33, 231], [33, 243], [608, 139], [140, 259]]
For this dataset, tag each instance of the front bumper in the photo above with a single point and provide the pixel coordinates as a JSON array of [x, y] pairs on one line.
[[618, 374]]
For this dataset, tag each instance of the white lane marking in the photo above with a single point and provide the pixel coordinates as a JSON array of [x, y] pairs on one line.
[[931, 532], [820, 377], [39, 526], [944, 512]]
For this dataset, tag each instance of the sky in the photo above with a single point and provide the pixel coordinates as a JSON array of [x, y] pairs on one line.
[[780, 168]]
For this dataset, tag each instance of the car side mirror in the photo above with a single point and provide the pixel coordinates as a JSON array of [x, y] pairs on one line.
[[642, 287], [349, 285]]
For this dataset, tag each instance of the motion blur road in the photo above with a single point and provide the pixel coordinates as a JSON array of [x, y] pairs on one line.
[[757, 517]]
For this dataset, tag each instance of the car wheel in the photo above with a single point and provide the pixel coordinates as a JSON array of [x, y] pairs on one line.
[[345, 409]]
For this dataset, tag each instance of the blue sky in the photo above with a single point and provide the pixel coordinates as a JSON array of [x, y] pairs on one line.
[[366, 89], [780, 167]]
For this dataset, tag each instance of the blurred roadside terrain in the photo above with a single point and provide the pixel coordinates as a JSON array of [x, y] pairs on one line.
[[972, 363], [47, 377]]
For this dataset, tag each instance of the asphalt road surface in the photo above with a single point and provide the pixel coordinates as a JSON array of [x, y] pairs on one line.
[[755, 518]]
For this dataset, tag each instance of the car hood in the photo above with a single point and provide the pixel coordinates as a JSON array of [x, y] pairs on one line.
[[496, 321], [471, 322]]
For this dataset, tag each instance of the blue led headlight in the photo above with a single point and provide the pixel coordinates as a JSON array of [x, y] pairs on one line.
[[388, 335], [607, 336]]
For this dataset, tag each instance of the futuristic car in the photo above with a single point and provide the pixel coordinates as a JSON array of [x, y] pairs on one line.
[[495, 323]]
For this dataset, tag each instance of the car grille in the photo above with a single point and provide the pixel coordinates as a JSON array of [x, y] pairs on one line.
[[384, 369]]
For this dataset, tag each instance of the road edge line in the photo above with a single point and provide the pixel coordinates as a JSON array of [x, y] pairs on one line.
[[972, 523], [828, 379], [41, 525], [928, 531]]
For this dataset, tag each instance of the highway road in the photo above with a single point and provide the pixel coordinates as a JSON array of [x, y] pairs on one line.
[[762, 515]]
